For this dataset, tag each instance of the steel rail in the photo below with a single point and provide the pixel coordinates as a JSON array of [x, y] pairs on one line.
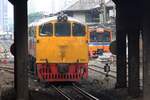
[[91, 97], [112, 76], [8, 69], [61, 92], [102, 68]]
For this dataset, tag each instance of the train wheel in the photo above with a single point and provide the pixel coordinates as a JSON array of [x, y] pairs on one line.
[[29, 62], [35, 71]]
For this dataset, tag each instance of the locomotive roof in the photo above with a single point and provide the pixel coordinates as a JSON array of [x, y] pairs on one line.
[[45, 20]]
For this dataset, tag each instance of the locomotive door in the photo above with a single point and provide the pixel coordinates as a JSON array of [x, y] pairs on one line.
[[44, 34]]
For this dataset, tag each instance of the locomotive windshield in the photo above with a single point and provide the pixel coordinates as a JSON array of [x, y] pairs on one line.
[[63, 29], [99, 37], [78, 29], [46, 29]]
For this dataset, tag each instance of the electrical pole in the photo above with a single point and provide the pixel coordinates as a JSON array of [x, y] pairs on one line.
[[102, 11], [53, 6]]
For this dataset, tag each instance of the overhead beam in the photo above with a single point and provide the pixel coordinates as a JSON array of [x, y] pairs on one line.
[[11, 1]]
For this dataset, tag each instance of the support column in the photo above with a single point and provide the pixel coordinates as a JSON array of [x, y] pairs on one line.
[[146, 48], [121, 50], [21, 49], [133, 63], [121, 59]]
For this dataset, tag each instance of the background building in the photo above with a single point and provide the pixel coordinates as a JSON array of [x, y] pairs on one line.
[[3, 15], [97, 13], [91, 11]]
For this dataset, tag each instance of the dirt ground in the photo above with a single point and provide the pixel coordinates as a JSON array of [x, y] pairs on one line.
[[96, 84]]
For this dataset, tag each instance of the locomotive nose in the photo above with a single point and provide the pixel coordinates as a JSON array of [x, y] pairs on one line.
[[62, 51]]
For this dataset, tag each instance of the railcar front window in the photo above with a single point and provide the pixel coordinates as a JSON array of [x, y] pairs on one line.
[[100, 37], [62, 29], [46, 29], [78, 29], [106, 36], [93, 37]]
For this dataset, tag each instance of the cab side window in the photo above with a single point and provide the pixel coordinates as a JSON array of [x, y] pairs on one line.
[[78, 29], [31, 31], [46, 29]]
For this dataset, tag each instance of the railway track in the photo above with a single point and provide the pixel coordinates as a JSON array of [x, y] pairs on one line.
[[7, 69], [101, 72], [74, 92], [102, 68], [111, 74]]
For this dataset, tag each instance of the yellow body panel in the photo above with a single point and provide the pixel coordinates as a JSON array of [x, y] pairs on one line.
[[61, 50]]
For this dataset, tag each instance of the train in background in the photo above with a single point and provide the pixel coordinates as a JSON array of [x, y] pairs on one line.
[[99, 41], [58, 49]]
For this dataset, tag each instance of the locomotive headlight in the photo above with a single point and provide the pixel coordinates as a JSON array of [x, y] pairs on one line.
[[65, 18], [59, 18]]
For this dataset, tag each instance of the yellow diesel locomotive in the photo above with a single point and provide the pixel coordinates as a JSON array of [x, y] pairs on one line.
[[58, 49]]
